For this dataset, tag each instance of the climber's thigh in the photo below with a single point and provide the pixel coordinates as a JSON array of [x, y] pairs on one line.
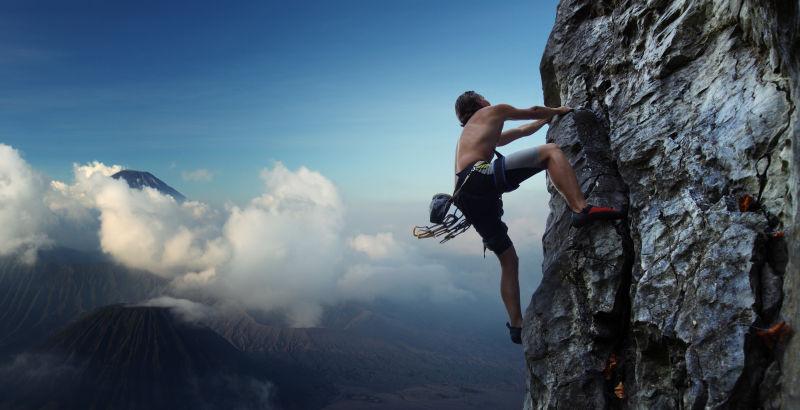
[[484, 212], [525, 163]]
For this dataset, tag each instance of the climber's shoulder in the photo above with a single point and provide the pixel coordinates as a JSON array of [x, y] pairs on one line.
[[502, 108], [506, 112], [491, 113]]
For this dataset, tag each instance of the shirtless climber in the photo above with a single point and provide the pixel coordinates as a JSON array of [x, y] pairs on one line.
[[480, 182]]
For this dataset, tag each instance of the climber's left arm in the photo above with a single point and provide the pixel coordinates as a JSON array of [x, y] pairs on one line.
[[522, 131]]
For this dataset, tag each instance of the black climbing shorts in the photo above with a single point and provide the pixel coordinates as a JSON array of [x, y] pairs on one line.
[[483, 210], [480, 199]]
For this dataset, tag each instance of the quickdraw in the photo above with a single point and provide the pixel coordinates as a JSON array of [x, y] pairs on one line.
[[453, 225]]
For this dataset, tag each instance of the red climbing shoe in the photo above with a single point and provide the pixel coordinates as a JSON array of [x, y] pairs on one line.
[[595, 213]]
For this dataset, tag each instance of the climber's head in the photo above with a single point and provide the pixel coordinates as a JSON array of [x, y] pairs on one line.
[[467, 104]]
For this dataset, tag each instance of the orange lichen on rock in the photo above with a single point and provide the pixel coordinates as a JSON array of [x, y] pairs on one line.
[[611, 364], [745, 202], [777, 333], [619, 391]]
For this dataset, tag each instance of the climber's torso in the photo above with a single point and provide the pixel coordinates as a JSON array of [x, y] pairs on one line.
[[479, 138]]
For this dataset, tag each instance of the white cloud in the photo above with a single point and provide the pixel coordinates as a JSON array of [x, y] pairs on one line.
[[95, 168], [187, 310], [376, 246], [146, 229], [286, 249], [24, 217], [285, 245], [282, 250], [407, 281], [198, 175]]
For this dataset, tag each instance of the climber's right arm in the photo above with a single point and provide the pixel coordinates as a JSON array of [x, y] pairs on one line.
[[521, 131], [508, 112]]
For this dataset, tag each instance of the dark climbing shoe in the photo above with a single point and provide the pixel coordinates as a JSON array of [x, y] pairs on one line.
[[595, 213], [516, 333]]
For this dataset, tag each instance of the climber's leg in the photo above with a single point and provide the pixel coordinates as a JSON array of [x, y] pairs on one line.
[[509, 286], [563, 178], [523, 164]]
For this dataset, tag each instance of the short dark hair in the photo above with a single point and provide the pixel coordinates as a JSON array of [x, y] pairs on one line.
[[466, 105]]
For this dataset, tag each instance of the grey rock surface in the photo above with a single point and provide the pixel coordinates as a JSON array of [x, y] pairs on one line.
[[690, 112], [576, 313]]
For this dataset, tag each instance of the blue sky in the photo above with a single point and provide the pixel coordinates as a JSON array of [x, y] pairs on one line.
[[361, 91]]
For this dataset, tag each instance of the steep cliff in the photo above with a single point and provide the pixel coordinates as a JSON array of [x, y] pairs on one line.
[[689, 118]]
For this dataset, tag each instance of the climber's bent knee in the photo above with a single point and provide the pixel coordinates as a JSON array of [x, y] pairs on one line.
[[508, 258], [548, 152]]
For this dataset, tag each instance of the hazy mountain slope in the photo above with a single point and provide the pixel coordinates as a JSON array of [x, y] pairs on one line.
[[36, 300], [359, 348], [137, 358], [374, 355]]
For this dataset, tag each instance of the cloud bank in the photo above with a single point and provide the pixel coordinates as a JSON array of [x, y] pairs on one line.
[[285, 249], [186, 309], [24, 216]]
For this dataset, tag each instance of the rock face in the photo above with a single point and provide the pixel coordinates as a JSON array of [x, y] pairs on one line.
[[577, 311], [690, 120]]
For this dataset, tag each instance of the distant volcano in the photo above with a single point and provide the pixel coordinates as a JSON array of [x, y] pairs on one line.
[[144, 342], [135, 358], [36, 300], [141, 179]]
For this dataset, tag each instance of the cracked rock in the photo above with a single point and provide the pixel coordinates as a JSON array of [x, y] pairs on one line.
[[690, 107]]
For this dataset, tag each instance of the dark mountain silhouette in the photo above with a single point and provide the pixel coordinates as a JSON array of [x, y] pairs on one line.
[[36, 300], [138, 358], [141, 179], [357, 351]]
